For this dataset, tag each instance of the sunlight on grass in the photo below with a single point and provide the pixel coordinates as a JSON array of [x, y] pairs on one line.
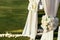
[[20, 30]]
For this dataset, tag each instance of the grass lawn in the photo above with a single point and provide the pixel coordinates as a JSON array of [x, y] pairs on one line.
[[13, 14]]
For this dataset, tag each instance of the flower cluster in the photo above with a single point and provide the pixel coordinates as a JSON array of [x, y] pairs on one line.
[[49, 23]]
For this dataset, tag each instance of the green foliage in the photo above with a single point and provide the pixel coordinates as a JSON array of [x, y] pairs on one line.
[[18, 38]]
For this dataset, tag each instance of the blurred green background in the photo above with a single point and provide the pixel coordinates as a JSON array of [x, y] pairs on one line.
[[13, 15]]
